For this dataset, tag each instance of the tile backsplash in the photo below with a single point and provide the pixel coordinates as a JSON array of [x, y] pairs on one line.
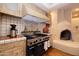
[[6, 20]]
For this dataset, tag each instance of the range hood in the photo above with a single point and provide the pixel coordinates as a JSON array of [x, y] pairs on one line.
[[34, 18], [32, 13]]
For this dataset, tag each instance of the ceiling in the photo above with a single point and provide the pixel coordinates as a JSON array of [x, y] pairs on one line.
[[49, 6]]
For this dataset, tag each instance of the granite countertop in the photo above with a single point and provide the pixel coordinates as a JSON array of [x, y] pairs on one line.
[[8, 39]]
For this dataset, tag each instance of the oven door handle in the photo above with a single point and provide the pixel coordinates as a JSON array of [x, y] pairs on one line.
[[39, 44], [31, 47]]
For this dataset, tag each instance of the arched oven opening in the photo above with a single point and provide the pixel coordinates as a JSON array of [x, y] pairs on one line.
[[65, 35]]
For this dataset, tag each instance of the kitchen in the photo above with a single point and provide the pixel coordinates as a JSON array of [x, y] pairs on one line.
[[39, 29], [20, 25]]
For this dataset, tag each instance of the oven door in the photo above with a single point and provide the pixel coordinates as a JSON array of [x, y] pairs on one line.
[[39, 49], [36, 50]]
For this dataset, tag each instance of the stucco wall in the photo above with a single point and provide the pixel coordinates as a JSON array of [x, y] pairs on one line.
[[75, 24]]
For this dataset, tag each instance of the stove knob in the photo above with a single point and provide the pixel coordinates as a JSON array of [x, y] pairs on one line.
[[40, 39], [31, 43], [36, 40]]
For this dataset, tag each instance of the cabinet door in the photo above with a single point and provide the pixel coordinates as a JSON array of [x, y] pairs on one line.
[[19, 51], [7, 53], [11, 8], [17, 48]]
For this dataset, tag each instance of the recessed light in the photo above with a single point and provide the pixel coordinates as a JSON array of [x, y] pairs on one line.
[[76, 15], [77, 9]]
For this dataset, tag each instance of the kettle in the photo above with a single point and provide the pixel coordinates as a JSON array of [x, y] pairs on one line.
[[13, 31]]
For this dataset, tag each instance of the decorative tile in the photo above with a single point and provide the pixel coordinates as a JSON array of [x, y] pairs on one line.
[[6, 20]]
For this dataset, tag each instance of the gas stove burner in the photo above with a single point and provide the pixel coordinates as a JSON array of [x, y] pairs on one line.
[[37, 40]]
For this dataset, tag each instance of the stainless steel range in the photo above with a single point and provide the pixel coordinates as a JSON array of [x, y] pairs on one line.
[[37, 40], [35, 46]]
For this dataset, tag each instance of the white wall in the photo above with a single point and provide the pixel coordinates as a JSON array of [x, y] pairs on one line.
[[60, 22], [75, 22], [53, 24]]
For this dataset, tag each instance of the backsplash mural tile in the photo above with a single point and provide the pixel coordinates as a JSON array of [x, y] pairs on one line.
[[6, 20]]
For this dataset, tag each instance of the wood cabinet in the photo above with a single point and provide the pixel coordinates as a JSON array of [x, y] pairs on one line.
[[13, 49], [14, 9]]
